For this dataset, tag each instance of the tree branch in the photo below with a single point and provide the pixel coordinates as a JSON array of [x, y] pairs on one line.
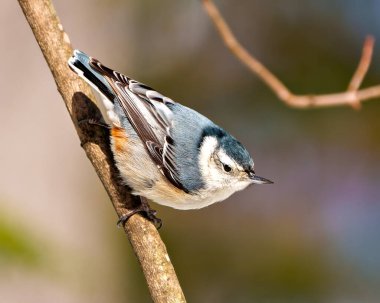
[[353, 96], [142, 234], [362, 69]]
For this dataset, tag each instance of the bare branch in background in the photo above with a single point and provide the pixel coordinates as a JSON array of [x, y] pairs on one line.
[[362, 68], [142, 234], [353, 96]]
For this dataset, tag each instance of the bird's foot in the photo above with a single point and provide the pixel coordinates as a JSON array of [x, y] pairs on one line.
[[96, 122], [145, 210]]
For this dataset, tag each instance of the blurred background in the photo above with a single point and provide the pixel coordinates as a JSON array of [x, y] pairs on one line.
[[313, 236]]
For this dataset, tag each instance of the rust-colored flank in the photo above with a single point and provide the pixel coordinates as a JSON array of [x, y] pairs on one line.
[[119, 138]]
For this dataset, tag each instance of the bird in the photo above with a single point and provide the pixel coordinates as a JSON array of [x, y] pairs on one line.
[[164, 151]]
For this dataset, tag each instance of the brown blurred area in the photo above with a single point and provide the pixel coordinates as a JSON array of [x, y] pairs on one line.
[[313, 236]]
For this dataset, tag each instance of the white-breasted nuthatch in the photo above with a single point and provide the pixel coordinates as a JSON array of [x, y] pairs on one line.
[[165, 151]]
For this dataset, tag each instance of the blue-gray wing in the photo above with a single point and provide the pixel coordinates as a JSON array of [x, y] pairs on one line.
[[150, 116]]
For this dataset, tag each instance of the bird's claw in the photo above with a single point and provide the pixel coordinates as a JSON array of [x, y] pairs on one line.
[[93, 121], [151, 216], [146, 211]]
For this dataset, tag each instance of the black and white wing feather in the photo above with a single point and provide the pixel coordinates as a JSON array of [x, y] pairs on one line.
[[149, 115]]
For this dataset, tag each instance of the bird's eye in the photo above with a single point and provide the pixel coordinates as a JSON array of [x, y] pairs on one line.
[[227, 168]]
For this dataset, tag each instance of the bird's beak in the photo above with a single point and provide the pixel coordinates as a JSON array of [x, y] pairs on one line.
[[259, 180]]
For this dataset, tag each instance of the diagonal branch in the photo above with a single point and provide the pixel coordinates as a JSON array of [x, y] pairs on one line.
[[142, 234], [353, 96]]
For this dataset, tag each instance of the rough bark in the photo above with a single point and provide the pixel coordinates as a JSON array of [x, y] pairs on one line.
[[142, 234]]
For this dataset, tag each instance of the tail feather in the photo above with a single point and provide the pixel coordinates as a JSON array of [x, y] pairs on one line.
[[80, 64]]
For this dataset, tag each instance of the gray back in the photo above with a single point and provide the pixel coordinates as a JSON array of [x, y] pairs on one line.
[[187, 134]]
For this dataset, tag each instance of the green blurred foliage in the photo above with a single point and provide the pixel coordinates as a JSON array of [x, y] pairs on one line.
[[17, 245]]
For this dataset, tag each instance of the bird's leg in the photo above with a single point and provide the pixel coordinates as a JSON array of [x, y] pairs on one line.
[[92, 121], [150, 213], [145, 210]]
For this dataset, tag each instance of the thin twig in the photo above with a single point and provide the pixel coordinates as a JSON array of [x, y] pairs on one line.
[[142, 234], [362, 69], [352, 97], [365, 62]]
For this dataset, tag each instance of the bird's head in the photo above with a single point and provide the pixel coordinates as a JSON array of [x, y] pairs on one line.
[[225, 163]]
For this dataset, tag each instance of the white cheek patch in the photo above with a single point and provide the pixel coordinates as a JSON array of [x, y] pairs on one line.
[[225, 159], [207, 148], [212, 174]]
